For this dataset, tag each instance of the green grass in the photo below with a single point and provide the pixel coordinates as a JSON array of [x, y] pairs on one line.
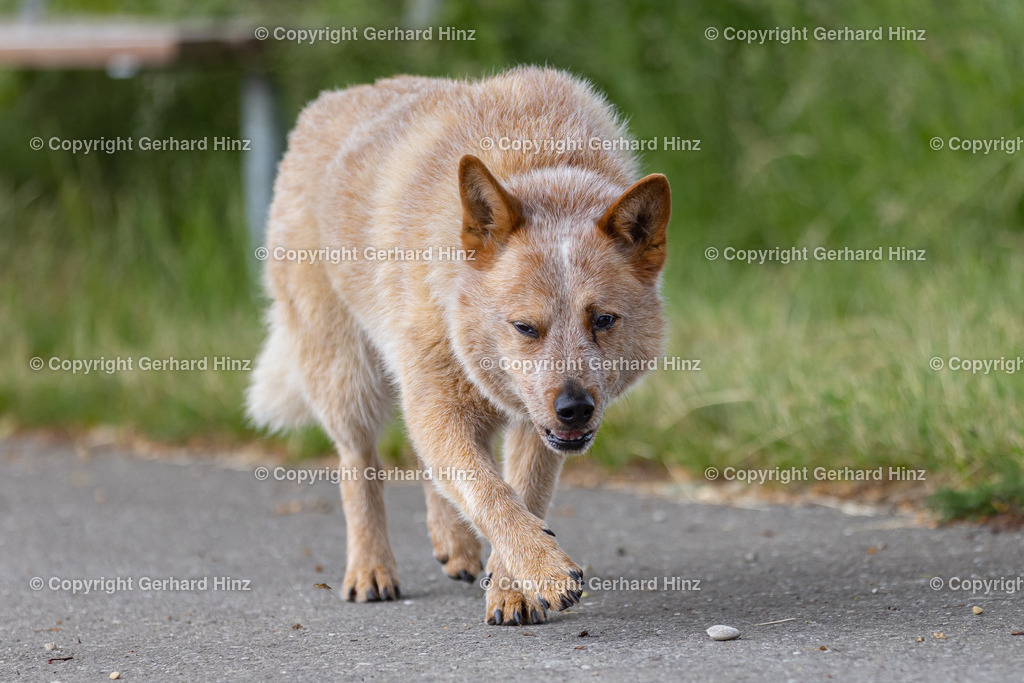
[[808, 144], [1001, 498]]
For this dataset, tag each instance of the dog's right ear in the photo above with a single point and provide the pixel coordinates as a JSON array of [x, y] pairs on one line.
[[489, 213]]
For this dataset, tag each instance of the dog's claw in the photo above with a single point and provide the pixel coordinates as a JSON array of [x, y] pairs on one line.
[[442, 559], [466, 576], [385, 594], [398, 593], [544, 603], [371, 595], [534, 616], [351, 595], [518, 616], [497, 616], [549, 532], [576, 575]]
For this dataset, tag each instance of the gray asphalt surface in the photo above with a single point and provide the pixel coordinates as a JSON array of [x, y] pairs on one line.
[[855, 613]]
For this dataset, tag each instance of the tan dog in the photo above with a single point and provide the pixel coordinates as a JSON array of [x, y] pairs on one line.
[[419, 254]]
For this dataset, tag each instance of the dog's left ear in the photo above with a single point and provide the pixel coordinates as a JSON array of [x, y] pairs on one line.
[[490, 213], [638, 221]]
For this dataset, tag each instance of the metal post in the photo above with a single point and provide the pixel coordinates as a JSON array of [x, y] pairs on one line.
[[33, 10], [261, 127], [421, 13]]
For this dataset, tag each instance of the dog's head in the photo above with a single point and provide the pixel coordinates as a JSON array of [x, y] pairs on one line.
[[558, 304]]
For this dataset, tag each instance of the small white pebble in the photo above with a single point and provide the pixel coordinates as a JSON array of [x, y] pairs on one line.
[[722, 632], [977, 610], [50, 646], [114, 675]]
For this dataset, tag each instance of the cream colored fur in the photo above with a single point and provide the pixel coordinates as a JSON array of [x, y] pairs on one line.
[[559, 240]]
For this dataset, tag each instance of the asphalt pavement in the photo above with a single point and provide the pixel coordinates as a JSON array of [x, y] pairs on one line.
[[192, 569]]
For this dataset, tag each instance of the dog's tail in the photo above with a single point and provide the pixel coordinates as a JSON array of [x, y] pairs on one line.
[[276, 399]]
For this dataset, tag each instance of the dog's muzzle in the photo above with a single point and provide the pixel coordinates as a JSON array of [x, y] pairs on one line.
[[575, 440]]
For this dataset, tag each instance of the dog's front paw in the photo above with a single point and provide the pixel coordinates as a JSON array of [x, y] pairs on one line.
[[507, 605], [546, 574], [370, 583]]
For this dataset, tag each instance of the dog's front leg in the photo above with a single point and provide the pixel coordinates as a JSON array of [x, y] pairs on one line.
[[532, 469], [450, 440]]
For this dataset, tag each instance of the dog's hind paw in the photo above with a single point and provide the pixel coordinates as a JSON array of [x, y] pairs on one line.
[[458, 550], [461, 567]]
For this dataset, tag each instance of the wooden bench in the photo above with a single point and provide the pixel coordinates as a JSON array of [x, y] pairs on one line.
[[124, 47]]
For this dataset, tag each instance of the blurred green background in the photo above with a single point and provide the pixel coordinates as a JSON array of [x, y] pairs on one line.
[[806, 144]]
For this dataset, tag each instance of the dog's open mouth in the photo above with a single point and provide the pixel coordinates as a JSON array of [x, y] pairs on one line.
[[574, 440]]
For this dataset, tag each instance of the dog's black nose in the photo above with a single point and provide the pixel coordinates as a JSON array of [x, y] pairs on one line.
[[574, 406]]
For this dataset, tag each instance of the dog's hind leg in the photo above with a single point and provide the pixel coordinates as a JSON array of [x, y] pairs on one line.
[[456, 545], [348, 389]]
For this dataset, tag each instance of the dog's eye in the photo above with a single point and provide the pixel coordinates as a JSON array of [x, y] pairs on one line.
[[605, 321], [525, 329]]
